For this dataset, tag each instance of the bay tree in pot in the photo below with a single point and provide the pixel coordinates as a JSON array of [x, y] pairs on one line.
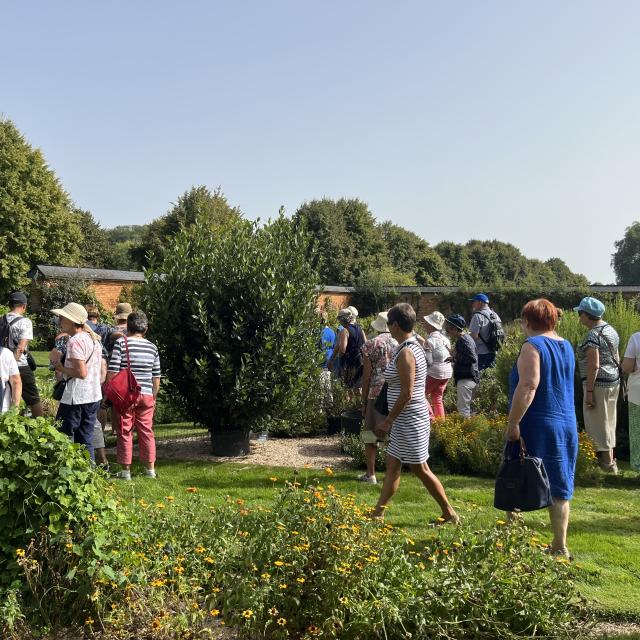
[[232, 310]]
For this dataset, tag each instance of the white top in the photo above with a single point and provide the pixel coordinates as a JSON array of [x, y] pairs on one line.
[[84, 390], [633, 384], [437, 347], [8, 367], [21, 330]]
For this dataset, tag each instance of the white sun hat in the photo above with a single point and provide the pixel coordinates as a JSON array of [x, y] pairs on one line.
[[72, 311], [435, 319], [380, 323], [354, 311]]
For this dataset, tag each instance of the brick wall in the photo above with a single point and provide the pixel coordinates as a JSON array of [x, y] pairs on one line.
[[108, 292], [336, 300]]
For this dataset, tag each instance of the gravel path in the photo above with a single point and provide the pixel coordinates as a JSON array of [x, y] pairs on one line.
[[316, 452]]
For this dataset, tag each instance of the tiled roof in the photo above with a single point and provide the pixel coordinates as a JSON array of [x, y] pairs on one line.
[[84, 273]]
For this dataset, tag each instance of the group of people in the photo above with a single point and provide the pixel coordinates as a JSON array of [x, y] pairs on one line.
[[417, 370], [86, 354]]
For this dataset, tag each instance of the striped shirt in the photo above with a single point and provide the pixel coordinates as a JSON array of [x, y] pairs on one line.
[[145, 361]]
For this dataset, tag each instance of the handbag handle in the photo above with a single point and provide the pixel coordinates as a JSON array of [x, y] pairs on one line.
[[523, 450]]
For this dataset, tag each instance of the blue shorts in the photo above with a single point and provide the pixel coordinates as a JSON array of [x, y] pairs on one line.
[[78, 422]]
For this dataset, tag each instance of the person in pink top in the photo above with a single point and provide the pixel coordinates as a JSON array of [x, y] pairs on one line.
[[439, 370], [83, 372]]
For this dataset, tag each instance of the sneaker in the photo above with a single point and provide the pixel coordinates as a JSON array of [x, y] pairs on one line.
[[368, 479], [611, 468], [123, 475], [150, 473]]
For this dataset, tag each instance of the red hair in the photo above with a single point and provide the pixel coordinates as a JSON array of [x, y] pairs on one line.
[[540, 314]]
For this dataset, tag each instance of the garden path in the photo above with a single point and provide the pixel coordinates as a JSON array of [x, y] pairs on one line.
[[317, 452]]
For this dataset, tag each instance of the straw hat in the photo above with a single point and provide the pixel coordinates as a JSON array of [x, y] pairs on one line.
[[435, 319], [72, 311], [123, 310], [380, 323]]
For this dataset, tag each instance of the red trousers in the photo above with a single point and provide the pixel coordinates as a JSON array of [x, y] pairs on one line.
[[139, 417], [435, 391]]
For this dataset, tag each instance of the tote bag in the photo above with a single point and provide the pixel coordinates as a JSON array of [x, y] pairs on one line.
[[522, 483], [123, 389]]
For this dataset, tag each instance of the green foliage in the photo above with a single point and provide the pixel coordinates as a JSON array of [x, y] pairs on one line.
[[48, 488], [626, 258], [244, 346], [375, 289], [94, 248], [56, 295], [210, 210], [36, 222]]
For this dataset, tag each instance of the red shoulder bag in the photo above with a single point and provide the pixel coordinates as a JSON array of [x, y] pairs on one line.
[[123, 389]]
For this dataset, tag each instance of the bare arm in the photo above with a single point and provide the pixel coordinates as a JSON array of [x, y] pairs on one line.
[[73, 368], [628, 365], [156, 387], [593, 364], [21, 348], [406, 366], [16, 389], [529, 379]]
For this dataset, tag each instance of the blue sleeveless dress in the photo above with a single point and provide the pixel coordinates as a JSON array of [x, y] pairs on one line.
[[549, 427]]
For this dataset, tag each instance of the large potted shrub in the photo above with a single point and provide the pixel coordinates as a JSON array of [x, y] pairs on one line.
[[232, 309]]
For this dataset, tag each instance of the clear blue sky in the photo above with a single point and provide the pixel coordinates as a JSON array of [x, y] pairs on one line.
[[509, 120]]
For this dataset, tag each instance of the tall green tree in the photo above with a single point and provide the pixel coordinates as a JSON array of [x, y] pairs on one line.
[[37, 224], [626, 258], [94, 248], [348, 240], [198, 205]]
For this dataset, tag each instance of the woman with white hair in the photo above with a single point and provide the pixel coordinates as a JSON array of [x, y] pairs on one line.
[[83, 372], [350, 341], [437, 346]]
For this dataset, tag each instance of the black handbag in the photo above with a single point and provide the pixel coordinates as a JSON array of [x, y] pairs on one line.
[[58, 389], [381, 404], [522, 483]]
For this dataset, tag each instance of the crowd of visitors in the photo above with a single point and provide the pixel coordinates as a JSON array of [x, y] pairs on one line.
[[85, 355]]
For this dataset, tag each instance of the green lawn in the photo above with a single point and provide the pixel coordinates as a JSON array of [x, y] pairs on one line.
[[604, 530]]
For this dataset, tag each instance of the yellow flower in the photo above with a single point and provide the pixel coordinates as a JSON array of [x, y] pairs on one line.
[[160, 505], [328, 471], [273, 479], [158, 583], [247, 613], [68, 545], [300, 580], [273, 611], [500, 522], [169, 498], [156, 624], [279, 563], [265, 576], [89, 621], [199, 549], [313, 630], [209, 560], [179, 570], [20, 553], [282, 621], [92, 518], [283, 585], [216, 590], [192, 490], [215, 612], [344, 600]]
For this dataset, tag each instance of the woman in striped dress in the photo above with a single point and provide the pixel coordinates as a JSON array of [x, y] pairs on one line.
[[408, 417]]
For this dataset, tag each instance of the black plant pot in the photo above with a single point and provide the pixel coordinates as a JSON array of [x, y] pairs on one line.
[[230, 443], [334, 425], [351, 421]]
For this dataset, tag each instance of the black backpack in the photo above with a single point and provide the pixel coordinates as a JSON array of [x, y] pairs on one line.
[[5, 330], [496, 337]]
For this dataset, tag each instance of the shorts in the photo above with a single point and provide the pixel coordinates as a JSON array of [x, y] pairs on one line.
[[372, 419], [30, 393]]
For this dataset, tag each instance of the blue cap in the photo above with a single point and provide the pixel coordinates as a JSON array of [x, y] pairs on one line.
[[457, 321], [592, 306], [480, 297]]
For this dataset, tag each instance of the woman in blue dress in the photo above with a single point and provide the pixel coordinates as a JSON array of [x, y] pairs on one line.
[[542, 409]]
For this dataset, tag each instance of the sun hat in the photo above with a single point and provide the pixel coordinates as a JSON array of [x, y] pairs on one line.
[[435, 319], [17, 297], [480, 297], [380, 323], [354, 311], [457, 321], [592, 306], [346, 315], [72, 311], [123, 309]]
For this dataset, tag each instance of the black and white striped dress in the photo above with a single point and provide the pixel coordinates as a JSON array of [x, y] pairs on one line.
[[409, 437]]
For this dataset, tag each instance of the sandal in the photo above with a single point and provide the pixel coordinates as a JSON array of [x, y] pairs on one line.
[[560, 553], [439, 522]]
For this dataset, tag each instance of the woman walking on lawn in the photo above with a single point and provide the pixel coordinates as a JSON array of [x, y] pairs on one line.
[[408, 417], [145, 365], [542, 411]]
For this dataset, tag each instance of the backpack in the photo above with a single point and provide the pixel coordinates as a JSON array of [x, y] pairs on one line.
[[5, 330], [496, 337]]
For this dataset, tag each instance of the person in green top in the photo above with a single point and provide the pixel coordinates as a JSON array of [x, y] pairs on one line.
[[599, 366]]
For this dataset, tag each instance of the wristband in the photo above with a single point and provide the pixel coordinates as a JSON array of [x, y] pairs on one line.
[[589, 390]]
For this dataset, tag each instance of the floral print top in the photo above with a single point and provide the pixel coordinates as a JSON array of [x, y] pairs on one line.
[[379, 351]]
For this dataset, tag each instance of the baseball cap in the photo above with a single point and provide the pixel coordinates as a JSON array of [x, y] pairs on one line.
[[17, 297], [592, 306], [480, 297]]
